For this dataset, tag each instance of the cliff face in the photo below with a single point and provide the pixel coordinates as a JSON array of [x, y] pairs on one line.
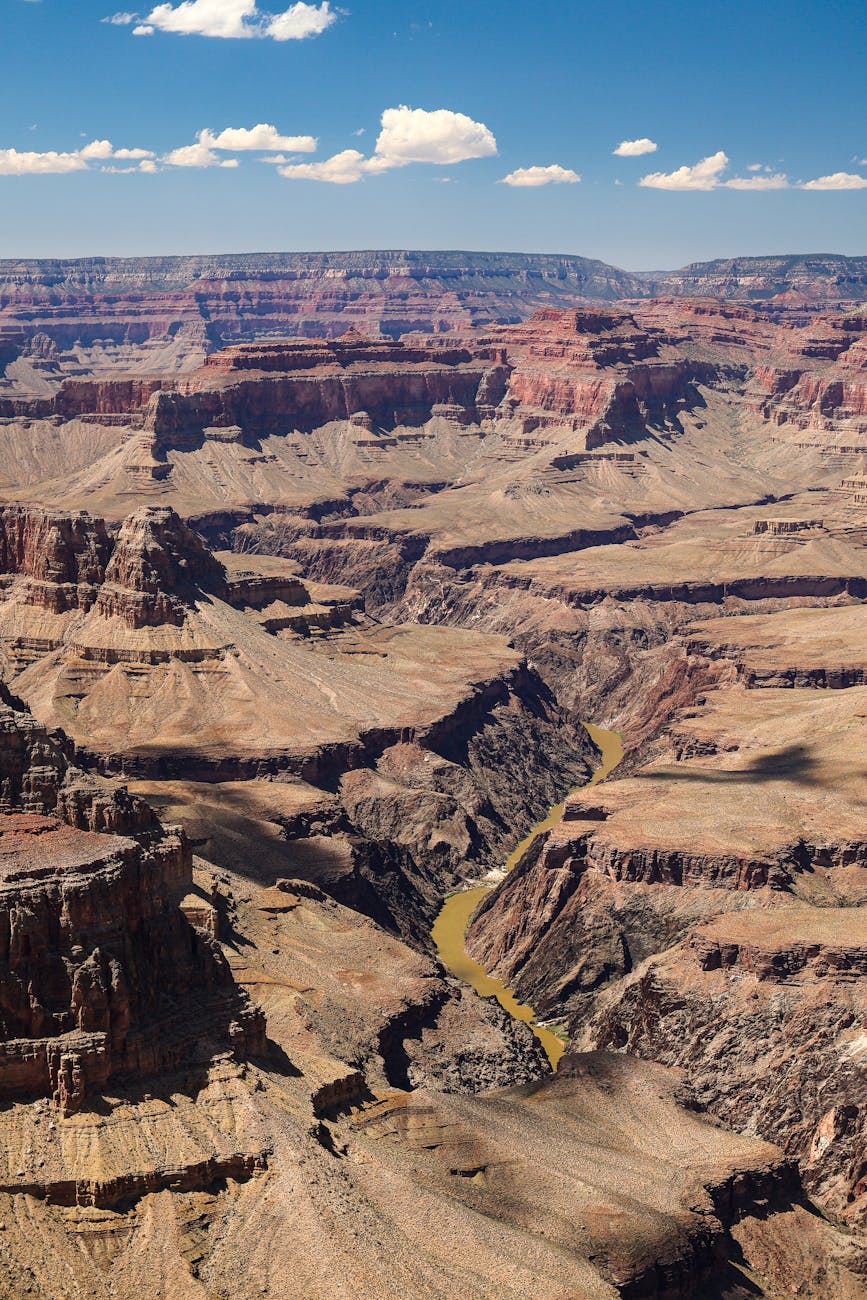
[[157, 565], [198, 302], [101, 975], [252, 391], [59, 557], [790, 280], [173, 664], [590, 369], [793, 983], [703, 911], [261, 294]]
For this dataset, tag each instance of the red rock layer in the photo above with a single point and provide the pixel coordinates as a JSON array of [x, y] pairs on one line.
[[101, 975]]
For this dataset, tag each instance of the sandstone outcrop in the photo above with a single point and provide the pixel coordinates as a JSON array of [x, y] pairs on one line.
[[792, 981], [177, 307], [367, 592], [169, 664], [266, 388], [706, 911], [102, 976]]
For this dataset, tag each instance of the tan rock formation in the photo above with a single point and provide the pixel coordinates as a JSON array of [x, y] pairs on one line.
[[646, 515], [102, 976], [709, 907]]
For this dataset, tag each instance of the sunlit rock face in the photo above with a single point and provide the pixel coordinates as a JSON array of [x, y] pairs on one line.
[[101, 975], [337, 603]]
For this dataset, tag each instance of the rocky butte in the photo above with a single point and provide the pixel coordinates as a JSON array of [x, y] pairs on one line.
[[312, 570]]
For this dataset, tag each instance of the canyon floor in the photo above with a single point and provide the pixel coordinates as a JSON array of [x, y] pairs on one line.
[[298, 636]]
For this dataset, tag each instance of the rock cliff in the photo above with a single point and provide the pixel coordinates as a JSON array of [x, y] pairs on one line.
[[168, 663], [101, 975], [704, 910], [367, 592]]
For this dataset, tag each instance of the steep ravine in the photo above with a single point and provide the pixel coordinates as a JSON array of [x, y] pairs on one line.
[[450, 928]]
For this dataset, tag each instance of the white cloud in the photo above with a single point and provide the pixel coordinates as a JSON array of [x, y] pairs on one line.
[[120, 20], [412, 135], [13, 163], [147, 165], [705, 175], [635, 148], [97, 149], [343, 169], [235, 20], [196, 155], [535, 176], [708, 175], [299, 22], [408, 135], [263, 137], [52, 162], [837, 181], [776, 181]]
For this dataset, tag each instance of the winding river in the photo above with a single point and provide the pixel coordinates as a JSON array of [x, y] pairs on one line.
[[450, 928]]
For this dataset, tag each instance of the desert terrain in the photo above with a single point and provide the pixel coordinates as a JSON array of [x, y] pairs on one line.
[[313, 571]]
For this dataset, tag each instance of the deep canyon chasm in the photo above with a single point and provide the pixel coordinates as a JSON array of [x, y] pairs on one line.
[[302, 610]]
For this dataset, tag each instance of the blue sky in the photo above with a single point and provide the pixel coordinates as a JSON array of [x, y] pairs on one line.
[[449, 124]]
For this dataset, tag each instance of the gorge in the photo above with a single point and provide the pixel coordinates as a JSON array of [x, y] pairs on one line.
[[312, 570]]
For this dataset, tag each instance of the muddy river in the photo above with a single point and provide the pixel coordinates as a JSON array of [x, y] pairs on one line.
[[450, 928]]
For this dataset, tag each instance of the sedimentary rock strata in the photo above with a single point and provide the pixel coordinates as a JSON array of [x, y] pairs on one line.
[[103, 976], [609, 413], [167, 1163], [337, 604], [104, 312], [165, 663], [714, 899]]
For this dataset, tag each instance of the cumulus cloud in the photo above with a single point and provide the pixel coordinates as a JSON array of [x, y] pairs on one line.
[[264, 138], [531, 177], [412, 135], [52, 162], [708, 175], [299, 22], [232, 20], [635, 148], [196, 155], [704, 175], [837, 181], [13, 163], [776, 181], [343, 169], [120, 20], [408, 135], [98, 149]]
